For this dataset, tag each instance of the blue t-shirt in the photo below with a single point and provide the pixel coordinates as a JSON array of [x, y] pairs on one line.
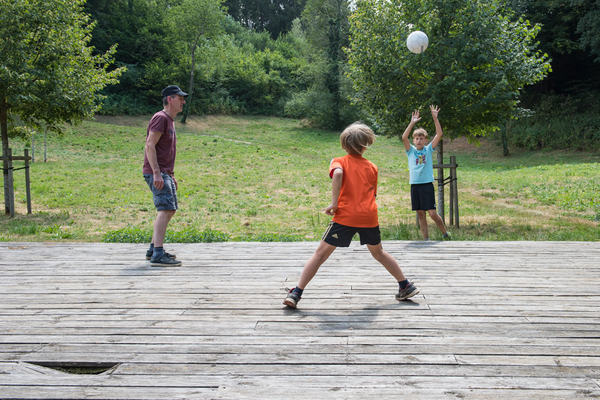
[[420, 164]]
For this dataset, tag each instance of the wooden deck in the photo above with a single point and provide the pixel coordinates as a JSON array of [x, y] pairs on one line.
[[494, 320]]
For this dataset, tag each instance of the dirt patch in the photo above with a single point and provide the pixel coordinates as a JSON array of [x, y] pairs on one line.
[[194, 123], [211, 122]]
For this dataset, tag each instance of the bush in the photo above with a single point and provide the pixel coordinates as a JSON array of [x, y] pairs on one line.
[[558, 123], [137, 235], [313, 105], [316, 103], [127, 104], [270, 237]]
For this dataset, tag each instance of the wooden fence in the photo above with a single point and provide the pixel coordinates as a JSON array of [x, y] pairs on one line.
[[8, 169]]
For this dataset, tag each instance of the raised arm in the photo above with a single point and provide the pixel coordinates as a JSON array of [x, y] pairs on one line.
[[438, 128], [414, 119]]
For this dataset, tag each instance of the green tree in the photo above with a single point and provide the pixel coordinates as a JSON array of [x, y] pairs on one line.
[[273, 16], [137, 26], [589, 26], [48, 75], [316, 18], [194, 22], [477, 62], [140, 30], [568, 29], [326, 26]]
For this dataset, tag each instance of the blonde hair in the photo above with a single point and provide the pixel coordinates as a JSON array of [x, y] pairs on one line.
[[420, 132], [356, 138]]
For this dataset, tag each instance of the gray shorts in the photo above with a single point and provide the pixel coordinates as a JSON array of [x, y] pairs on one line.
[[166, 198]]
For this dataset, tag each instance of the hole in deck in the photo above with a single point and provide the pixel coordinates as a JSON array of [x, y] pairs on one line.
[[78, 368]]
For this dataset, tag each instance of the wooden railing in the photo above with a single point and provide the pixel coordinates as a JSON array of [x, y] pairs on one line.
[[441, 182], [452, 181]]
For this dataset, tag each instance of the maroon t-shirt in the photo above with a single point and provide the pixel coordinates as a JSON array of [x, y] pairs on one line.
[[166, 147]]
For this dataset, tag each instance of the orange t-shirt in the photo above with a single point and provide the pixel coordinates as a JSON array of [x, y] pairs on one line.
[[356, 203]]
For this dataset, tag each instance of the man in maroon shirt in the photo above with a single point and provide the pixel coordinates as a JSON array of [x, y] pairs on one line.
[[158, 170]]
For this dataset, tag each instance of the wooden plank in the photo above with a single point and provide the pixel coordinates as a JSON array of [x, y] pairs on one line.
[[308, 381], [216, 328]]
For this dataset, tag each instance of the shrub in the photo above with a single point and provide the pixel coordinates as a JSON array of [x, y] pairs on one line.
[[270, 237], [558, 123], [137, 235]]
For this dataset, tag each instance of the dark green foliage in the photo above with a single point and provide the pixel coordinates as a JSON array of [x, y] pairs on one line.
[[565, 36], [195, 236], [564, 116], [128, 235], [329, 101], [558, 123], [332, 76], [270, 237], [137, 235], [272, 16], [317, 102], [589, 26], [136, 25], [127, 104], [240, 72], [194, 24]]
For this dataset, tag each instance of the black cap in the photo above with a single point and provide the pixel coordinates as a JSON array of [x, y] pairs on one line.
[[172, 90]]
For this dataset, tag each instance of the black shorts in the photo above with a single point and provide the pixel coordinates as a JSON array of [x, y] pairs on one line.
[[422, 196], [340, 235]]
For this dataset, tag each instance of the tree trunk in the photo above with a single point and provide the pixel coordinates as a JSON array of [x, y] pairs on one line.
[[505, 151], [188, 101], [333, 73], [4, 130], [440, 180]]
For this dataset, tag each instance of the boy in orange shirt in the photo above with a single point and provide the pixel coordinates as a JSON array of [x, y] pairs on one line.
[[353, 207]]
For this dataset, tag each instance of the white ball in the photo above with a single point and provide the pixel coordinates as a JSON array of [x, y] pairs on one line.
[[417, 42]]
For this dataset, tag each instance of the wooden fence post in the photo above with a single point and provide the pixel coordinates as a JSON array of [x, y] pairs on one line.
[[27, 181], [11, 188], [452, 180], [454, 185], [5, 180], [440, 181], [451, 195], [453, 200]]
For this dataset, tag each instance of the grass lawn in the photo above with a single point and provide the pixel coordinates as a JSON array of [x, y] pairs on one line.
[[264, 178]]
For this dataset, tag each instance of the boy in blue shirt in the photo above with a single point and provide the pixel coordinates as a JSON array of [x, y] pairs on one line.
[[420, 165]]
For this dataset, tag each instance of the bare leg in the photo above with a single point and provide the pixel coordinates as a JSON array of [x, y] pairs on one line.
[[312, 266], [423, 223], [160, 226], [387, 261], [438, 220]]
